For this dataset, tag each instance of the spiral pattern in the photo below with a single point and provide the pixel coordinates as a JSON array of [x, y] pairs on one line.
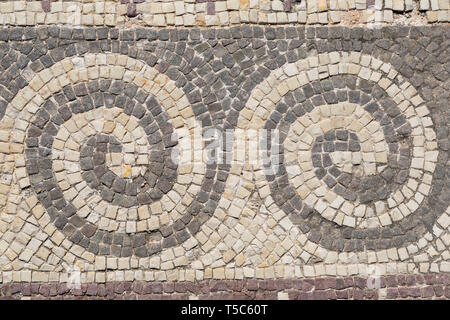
[[99, 155], [90, 129], [346, 127]]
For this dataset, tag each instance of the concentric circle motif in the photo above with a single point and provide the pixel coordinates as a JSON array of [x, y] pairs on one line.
[[356, 147], [99, 144]]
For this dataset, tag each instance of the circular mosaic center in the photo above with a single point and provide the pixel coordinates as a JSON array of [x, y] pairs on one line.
[[348, 167], [124, 179]]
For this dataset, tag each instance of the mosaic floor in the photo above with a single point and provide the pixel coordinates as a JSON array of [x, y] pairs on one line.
[[357, 207]]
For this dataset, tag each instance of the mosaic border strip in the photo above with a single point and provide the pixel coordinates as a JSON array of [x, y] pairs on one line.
[[223, 13], [426, 287]]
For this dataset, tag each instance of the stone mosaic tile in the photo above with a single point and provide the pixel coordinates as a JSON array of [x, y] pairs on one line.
[[360, 186]]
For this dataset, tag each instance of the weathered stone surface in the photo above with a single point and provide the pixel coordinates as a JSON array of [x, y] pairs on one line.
[[91, 127]]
